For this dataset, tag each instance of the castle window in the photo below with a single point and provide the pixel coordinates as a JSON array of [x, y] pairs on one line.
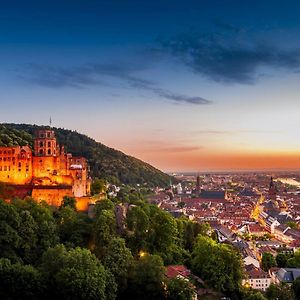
[[8, 158], [8, 152], [41, 144], [5, 168], [49, 151], [4, 152], [48, 134], [41, 151], [49, 144], [41, 135], [4, 159], [13, 151], [8, 168]]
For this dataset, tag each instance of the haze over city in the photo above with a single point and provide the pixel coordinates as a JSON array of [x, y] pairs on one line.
[[183, 85]]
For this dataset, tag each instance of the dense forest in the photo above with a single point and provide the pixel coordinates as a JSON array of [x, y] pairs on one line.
[[60, 253], [105, 162]]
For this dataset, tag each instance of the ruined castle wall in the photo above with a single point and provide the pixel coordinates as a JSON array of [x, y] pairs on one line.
[[16, 165]]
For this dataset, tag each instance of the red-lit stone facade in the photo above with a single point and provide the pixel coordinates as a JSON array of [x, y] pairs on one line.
[[50, 173]]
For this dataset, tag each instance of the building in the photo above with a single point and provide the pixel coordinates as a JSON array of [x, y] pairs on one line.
[[256, 278], [286, 275], [47, 172]]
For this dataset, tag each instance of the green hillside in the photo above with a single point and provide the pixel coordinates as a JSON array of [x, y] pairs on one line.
[[105, 162]]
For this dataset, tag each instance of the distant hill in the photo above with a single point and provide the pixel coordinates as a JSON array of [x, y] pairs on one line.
[[105, 162]]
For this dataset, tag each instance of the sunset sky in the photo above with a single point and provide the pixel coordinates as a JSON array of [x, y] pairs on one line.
[[184, 85]]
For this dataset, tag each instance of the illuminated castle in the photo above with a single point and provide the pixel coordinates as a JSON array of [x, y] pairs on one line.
[[47, 174]]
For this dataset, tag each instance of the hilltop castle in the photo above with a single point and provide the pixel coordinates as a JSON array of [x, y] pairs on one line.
[[48, 173]]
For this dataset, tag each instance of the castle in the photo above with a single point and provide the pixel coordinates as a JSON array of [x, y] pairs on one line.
[[48, 173]]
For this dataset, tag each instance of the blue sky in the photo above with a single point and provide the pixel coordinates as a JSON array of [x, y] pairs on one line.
[[171, 82]]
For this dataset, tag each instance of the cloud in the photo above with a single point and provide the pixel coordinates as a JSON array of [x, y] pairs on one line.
[[230, 55], [98, 74]]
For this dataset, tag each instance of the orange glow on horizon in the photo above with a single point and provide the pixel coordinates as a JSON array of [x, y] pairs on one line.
[[202, 161]]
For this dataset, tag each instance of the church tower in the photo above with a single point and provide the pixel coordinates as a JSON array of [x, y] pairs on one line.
[[272, 190], [45, 143]]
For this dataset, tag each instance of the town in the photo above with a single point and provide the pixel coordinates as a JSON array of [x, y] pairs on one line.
[[256, 213]]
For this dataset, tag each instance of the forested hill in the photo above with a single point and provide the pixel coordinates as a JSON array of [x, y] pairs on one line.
[[105, 162]]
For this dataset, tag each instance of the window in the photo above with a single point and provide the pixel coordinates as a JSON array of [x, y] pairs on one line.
[[49, 151], [49, 144], [41, 151], [41, 144]]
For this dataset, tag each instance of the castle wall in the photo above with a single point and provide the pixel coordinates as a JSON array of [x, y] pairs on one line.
[[50, 172], [52, 195], [16, 165]]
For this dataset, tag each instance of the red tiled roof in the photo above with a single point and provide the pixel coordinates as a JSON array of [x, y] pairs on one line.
[[174, 271]]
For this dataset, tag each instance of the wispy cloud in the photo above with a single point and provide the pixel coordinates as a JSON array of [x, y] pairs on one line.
[[98, 74], [229, 55]]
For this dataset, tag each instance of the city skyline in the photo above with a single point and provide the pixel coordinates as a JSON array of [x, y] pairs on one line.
[[185, 86]]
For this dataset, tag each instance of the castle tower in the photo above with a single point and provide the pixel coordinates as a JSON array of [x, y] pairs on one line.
[[45, 143]]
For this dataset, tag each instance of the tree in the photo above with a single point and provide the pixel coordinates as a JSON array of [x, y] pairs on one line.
[[162, 231], [146, 279], [105, 204], [279, 292], [281, 259], [98, 186], [138, 228], [10, 239], [219, 264], [254, 295], [118, 260], [68, 202], [292, 224], [181, 204], [268, 261], [28, 233], [74, 228], [76, 274], [179, 289], [46, 229], [104, 230], [20, 282], [296, 288], [294, 262]]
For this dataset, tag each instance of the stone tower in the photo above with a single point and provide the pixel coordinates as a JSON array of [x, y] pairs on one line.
[[45, 143]]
